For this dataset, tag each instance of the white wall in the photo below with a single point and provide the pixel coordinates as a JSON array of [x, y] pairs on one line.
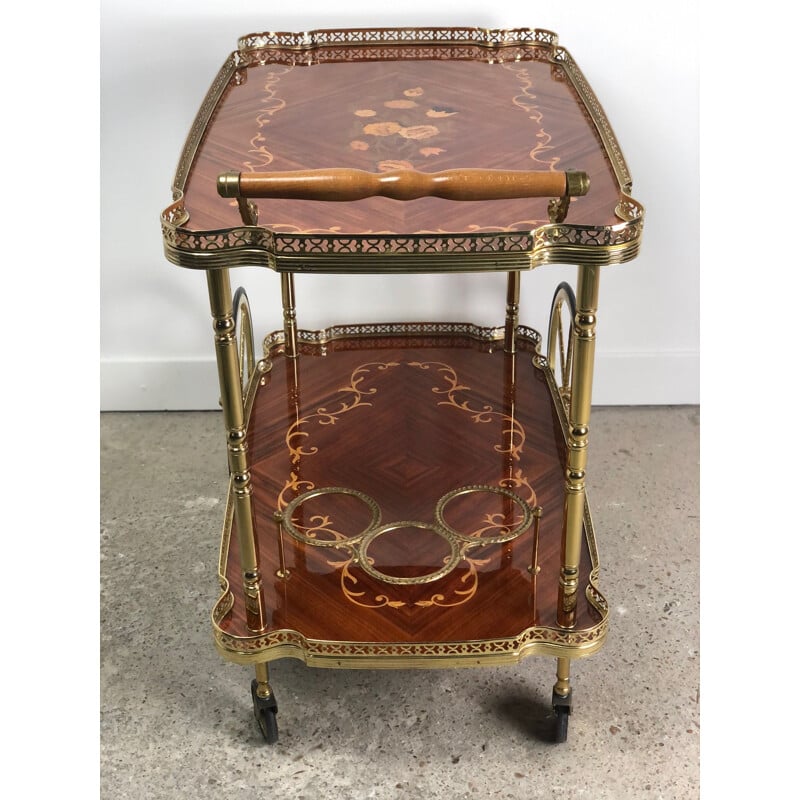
[[157, 61]]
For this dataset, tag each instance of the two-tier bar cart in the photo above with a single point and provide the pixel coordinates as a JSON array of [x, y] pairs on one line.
[[404, 494]]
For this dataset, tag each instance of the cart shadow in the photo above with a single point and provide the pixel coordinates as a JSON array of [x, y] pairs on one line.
[[532, 717]]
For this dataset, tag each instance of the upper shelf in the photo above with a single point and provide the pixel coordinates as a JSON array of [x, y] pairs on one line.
[[380, 100]]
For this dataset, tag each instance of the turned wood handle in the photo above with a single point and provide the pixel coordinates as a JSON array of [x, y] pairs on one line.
[[356, 184]]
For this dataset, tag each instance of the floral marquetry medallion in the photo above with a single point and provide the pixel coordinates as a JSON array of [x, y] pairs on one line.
[[404, 126]]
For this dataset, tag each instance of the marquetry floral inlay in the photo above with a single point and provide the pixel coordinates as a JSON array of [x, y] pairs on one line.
[[415, 126], [320, 529]]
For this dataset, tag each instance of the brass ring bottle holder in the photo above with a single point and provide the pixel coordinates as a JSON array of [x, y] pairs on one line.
[[359, 544]]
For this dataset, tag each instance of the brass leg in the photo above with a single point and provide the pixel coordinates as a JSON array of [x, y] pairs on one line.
[[219, 293], [580, 406], [562, 687], [263, 689]]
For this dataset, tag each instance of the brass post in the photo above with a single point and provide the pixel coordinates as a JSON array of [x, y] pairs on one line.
[[512, 312], [534, 568], [263, 689], [507, 443], [295, 465], [578, 432], [282, 572], [289, 314], [219, 293], [562, 687]]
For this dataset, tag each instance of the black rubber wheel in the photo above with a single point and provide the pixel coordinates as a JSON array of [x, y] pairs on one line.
[[267, 720], [562, 724], [265, 710]]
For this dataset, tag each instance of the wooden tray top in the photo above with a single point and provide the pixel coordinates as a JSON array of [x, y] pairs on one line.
[[423, 99]]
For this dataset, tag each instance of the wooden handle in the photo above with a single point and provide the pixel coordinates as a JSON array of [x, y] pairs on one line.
[[356, 184]]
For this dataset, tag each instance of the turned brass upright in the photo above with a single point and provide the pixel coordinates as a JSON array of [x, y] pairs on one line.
[[221, 301], [512, 312], [577, 441], [289, 314]]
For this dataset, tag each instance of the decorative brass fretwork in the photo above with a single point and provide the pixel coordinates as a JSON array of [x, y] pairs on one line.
[[420, 331], [548, 244], [289, 643], [360, 37]]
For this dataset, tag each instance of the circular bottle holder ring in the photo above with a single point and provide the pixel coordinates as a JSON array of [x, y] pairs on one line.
[[457, 542], [450, 560], [527, 514], [291, 528]]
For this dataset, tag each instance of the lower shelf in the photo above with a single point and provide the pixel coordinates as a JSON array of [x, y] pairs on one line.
[[408, 493]]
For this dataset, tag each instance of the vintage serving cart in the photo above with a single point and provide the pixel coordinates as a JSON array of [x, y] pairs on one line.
[[405, 494]]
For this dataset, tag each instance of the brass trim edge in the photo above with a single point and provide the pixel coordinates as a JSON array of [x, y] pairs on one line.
[[425, 655], [401, 329], [252, 246], [176, 215], [564, 58], [359, 37]]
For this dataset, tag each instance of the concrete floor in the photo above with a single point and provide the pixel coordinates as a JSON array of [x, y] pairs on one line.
[[176, 720]]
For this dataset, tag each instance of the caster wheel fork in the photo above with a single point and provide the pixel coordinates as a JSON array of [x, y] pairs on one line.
[[562, 707], [265, 710]]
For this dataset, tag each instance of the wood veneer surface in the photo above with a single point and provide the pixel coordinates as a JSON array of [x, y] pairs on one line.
[[405, 422], [430, 114]]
